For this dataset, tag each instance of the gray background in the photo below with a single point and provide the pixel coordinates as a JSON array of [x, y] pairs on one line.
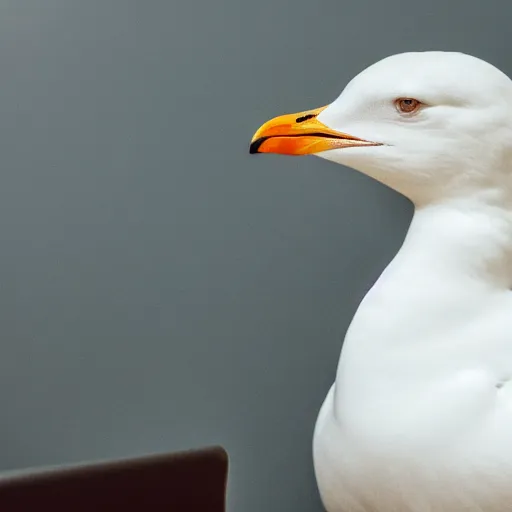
[[160, 289]]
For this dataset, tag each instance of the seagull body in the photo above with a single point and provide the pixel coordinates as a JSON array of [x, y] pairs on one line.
[[419, 418]]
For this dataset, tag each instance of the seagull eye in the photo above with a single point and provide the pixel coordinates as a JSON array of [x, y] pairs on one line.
[[407, 105]]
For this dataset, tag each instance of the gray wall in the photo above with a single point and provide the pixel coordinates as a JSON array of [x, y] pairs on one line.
[[160, 289]]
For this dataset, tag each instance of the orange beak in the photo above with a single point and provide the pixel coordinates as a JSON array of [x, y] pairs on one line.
[[301, 134]]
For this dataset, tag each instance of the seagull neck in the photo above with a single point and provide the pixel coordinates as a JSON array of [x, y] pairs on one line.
[[455, 258], [461, 240]]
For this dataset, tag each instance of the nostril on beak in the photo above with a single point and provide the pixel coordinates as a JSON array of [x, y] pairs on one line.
[[304, 118]]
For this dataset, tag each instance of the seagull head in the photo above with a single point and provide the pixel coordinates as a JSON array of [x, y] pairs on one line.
[[427, 124]]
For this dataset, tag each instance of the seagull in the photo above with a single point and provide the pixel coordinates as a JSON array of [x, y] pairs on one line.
[[419, 418]]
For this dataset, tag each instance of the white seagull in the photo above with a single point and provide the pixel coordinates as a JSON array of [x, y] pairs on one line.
[[419, 418]]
